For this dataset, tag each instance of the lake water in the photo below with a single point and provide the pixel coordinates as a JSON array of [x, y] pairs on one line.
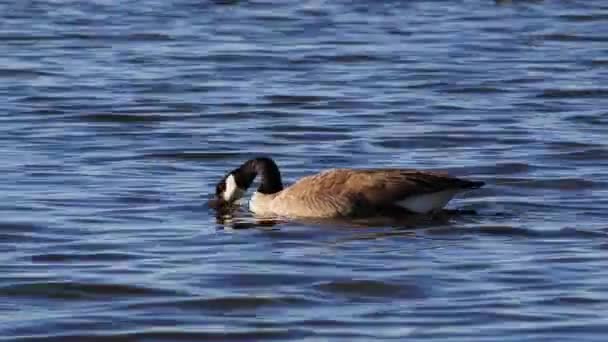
[[118, 118]]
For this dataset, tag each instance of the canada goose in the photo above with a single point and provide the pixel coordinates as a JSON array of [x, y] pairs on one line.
[[341, 192]]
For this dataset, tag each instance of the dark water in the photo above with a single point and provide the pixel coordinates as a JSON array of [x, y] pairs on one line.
[[117, 118]]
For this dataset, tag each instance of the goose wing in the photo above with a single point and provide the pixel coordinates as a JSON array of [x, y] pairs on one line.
[[375, 187], [341, 192], [383, 187]]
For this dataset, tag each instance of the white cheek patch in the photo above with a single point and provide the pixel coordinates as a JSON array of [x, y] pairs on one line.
[[232, 192]]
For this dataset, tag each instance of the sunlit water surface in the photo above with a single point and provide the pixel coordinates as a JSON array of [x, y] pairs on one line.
[[118, 118]]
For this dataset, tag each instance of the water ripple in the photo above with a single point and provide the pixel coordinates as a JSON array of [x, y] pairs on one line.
[[78, 291], [117, 120]]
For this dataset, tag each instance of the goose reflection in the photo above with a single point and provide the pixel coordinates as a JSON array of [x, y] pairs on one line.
[[234, 216]]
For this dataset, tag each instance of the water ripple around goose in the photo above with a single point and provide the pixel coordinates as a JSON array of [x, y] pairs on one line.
[[117, 120]]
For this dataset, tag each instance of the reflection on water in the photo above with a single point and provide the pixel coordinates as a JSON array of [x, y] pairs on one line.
[[237, 217], [118, 119]]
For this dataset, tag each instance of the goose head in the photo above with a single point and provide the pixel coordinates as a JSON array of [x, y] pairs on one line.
[[228, 190], [234, 185]]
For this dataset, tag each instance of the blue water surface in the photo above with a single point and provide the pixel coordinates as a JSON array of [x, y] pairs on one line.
[[118, 118]]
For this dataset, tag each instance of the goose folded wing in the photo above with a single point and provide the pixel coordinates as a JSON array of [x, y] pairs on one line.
[[384, 187]]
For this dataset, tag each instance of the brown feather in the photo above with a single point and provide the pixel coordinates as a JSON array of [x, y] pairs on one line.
[[346, 192]]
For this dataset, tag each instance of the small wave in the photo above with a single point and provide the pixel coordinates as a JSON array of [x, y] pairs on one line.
[[31, 237], [28, 73], [574, 93], [231, 115], [563, 37], [493, 230], [474, 90], [567, 259], [226, 2], [584, 17], [340, 58], [124, 118], [505, 168], [28, 232], [198, 155], [561, 184], [80, 257], [599, 62], [18, 37], [296, 99], [148, 37], [305, 129], [133, 37], [20, 227], [433, 141], [571, 300], [227, 303], [77, 290], [571, 146], [371, 288], [311, 137], [589, 119], [354, 58], [51, 99], [589, 154], [180, 334], [518, 231]]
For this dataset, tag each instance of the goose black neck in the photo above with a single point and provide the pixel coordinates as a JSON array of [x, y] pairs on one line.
[[268, 170]]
